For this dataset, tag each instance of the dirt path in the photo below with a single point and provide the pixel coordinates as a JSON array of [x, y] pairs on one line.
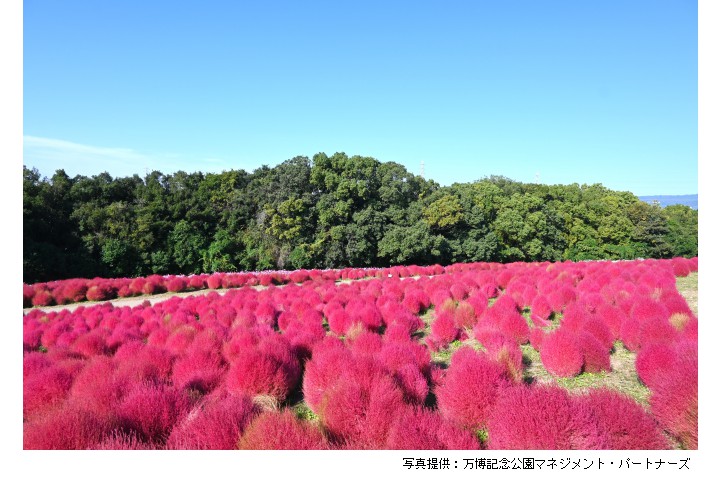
[[132, 301], [153, 299]]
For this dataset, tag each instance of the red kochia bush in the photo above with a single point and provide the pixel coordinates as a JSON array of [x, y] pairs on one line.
[[45, 389], [654, 360], [599, 329], [443, 328], [409, 363], [645, 309], [506, 353], [143, 362], [596, 356], [674, 399], [400, 319], [268, 368], [338, 320], [73, 291], [180, 338], [537, 335], [681, 267], [216, 424], [34, 363], [504, 316], [542, 418], [214, 281], [465, 315], [351, 394], [118, 440], [151, 410], [98, 387], [90, 344], [28, 292], [198, 370], [357, 408], [421, 429], [627, 425], [99, 292], [42, 298], [176, 284], [540, 311], [560, 353], [470, 387], [364, 312], [415, 300], [66, 428], [560, 297], [613, 317], [281, 430], [31, 337], [329, 358]]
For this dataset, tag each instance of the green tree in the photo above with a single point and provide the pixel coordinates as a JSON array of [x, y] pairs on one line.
[[443, 213], [682, 235], [650, 231]]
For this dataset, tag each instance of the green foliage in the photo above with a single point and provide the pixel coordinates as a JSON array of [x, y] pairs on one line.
[[329, 212], [187, 246], [221, 254], [412, 245], [682, 234], [443, 213], [287, 220], [119, 256], [651, 229]]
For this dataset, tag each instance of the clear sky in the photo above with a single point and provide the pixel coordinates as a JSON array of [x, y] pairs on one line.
[[570, 91]]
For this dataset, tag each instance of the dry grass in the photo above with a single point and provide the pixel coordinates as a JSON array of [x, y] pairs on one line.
[[688, 288], [622, 378]]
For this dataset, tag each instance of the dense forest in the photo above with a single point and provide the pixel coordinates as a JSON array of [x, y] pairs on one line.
[[328, 212]]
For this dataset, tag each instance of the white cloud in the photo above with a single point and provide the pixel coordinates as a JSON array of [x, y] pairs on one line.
[[50, 154]]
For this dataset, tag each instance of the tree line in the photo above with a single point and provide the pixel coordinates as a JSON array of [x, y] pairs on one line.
[[327, 212]]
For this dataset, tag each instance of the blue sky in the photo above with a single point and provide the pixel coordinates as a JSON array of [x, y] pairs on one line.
[[570, 91]]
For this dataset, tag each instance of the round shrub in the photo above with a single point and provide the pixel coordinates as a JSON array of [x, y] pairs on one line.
[[542, 418], [626, 423], [560, 353], [470, 387], [421, 429], [151, 411], [281, 430], [215, 424]]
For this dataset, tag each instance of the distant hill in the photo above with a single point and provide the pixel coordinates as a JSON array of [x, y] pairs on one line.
[[665, 200]]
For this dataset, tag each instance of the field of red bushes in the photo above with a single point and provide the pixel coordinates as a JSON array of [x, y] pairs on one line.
[[310, 363]]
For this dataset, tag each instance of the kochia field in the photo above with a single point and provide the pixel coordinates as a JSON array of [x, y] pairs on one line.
[[467, 356]]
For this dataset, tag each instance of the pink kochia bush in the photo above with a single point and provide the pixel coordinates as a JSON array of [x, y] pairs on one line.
[[274, 430], [469, 390], [655, 360], [152, 410], [45, 389], [443, 330], [66, 428], [674, 398], [504, 316], [214, 424], [416, 428], [542, 418], [627, 425], [351, 394], [596, 356], [561, 354], [99, 387], [267, 365]]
